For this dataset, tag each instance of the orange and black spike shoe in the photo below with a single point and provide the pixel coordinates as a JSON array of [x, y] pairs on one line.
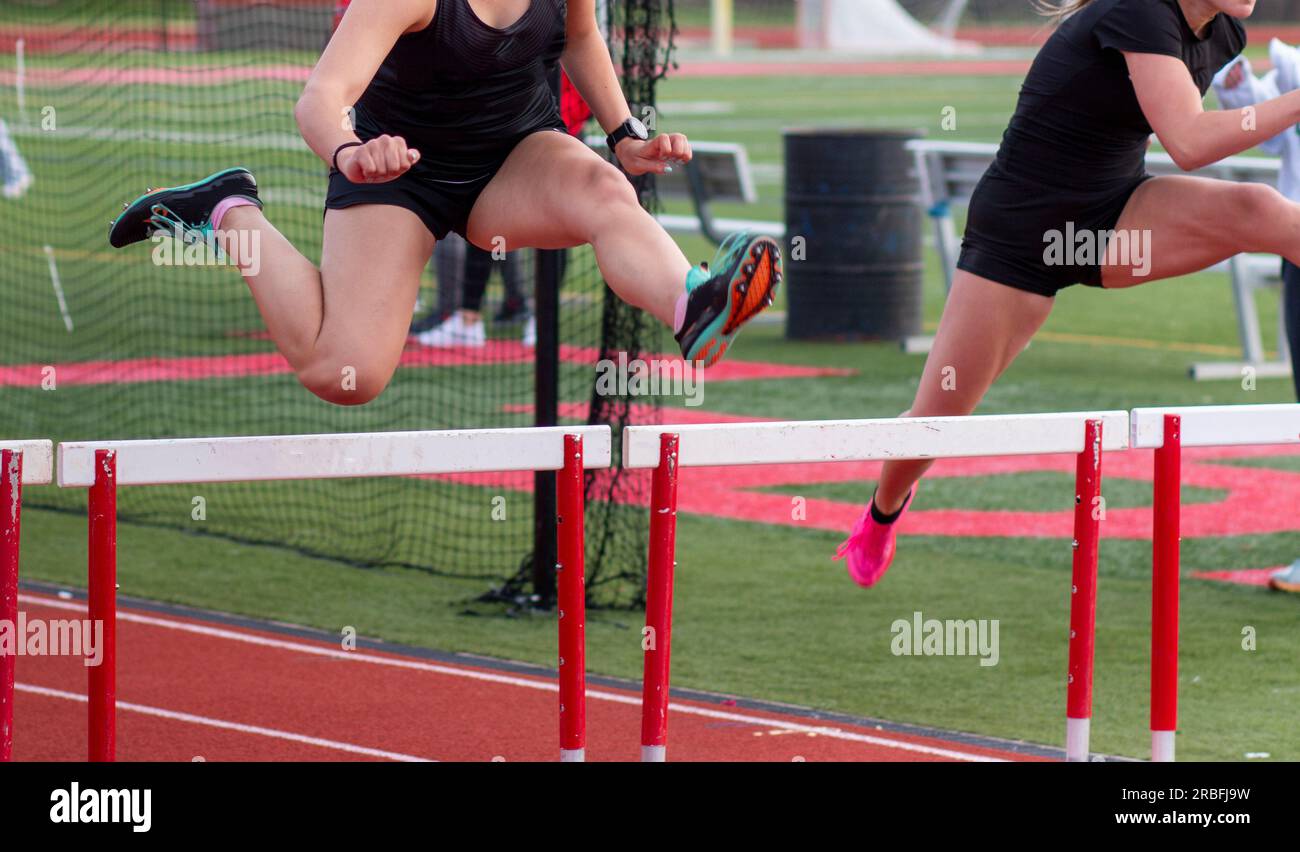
[[740, 285]]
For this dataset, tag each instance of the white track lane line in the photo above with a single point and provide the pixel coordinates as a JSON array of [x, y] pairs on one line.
[[228, 726], [512, 680]]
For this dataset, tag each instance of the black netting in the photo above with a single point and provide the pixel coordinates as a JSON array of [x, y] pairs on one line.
[[112, 96]]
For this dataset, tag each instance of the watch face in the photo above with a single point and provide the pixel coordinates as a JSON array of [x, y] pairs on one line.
[[638, 129]]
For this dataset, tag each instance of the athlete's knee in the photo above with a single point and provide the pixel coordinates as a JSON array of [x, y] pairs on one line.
[[608, 185], [1254, 203], [345, 384]]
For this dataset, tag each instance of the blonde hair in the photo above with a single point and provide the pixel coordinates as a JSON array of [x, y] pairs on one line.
[[1060, 9]]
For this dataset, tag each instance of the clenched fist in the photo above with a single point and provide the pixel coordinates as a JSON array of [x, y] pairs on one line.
[[382, 159]]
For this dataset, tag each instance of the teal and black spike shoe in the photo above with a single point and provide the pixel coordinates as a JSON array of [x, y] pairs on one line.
[[720, 299], [183, 210]]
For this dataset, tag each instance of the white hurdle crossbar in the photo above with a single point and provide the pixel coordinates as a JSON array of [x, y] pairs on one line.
[[1167, 431], [38, 460], [667, 448], [1219, 425], [873, 440], [103, 466], [197, 460]]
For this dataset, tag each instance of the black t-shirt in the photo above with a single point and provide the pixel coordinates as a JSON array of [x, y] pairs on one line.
[[1078, 124]]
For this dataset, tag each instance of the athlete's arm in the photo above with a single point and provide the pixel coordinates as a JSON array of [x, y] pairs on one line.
[[1238, 87], [364, 38], [1193, 136], [587, 62]]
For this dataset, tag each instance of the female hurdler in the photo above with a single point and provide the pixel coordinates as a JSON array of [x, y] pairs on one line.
[[438, 116], [1072, 162]]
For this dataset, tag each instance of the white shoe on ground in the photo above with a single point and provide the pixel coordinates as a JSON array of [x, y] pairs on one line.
[[455, 331], [18, 188]]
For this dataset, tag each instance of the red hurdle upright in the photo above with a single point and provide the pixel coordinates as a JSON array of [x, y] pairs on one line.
[[102, 594], [1083, 593], [657, 639], [571, 602], [21, 463], [1164, 590], [11, 502]]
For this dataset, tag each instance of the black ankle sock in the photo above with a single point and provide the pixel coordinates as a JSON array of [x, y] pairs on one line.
[[880, 517]]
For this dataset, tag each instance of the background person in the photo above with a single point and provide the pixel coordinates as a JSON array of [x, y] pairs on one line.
[[15, 177], [1238, 88]]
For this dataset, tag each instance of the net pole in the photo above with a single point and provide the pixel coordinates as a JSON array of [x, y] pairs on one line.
[[546, 298], [656, 639], [547, 401], [102, 588], [572, 605], [1083, 594], [162, 26], [11, 501], [1164, 591]]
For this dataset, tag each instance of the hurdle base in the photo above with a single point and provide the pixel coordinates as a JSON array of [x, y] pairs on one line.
[[654, 754], [1209, 371], [573, 755], [1076, 740], [1162, 746]]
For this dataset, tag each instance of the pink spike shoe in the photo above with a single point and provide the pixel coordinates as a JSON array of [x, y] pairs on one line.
[[869, 549]]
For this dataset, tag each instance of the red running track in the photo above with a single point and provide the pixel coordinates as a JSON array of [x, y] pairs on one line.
[[196, 689]]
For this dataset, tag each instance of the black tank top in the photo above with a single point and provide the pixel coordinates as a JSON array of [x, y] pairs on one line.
[[464, 93], [1078, 124]]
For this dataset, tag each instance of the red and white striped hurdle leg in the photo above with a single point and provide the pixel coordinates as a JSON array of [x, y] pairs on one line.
[[11, 502], [1164, 591], [1083, 593], [572, 603], [659, 603], [102, 594]]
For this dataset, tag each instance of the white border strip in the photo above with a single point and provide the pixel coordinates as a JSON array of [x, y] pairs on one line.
[[237, 727], [38, 460], [1219, 425], [188, 460], [874, 440]]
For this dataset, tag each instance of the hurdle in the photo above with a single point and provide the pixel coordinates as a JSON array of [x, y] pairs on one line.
[[103, 467], [1168, 431], [669, 448], [21, 463]]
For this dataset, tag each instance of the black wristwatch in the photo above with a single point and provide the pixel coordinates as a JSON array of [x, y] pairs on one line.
[[632, 128]]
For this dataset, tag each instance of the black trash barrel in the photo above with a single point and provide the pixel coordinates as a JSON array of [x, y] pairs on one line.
[[853, 220]]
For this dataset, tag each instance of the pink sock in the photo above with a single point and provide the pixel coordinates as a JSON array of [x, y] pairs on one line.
[[226, 205], [679, 313]]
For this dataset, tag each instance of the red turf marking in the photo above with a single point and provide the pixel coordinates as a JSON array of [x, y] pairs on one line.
[[272, 363], [408, 706], [786, 37], [1242, 576], [874, 68]]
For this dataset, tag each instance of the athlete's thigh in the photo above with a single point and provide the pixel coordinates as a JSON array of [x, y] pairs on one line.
[[1174, 226], [984, 326], [547, 194], [370, 271]]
